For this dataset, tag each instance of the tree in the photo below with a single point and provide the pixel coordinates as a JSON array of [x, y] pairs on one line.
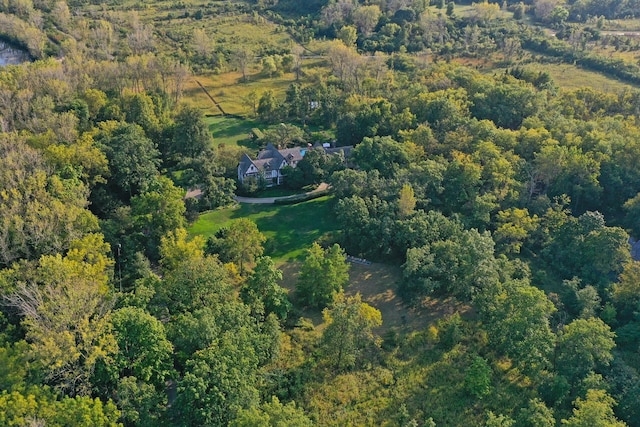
[[219, 382], [567, 170], [514, 226], [349, 332], [626, 293], [38, 406], [518, 11], [461, 264], [407, 201], [136, 379], [243, 58], [191, 136], [195, 283], [61, 14], [380, 153], [141, 404], [241, 243], [175, 248], [133, 160], [583, 346], [344, 61], [144, 351], [477, 379], [558, 15], [40, 212], [595, 410], [632, 218], [217, 191], [284, 135], [270, 65], [158, 211], [250, 101], [597, 250], [348, 34], [262, 288], [366, 18], [500, 420], [485, 12], [65, 309], [536, 414], [516, 316], [221, 379], [322, 276], [450, 9], [269, 108], [201, 42], [140, 109]]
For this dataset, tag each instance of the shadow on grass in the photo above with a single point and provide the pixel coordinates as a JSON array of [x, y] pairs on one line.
[[227, 129], [290, 229]]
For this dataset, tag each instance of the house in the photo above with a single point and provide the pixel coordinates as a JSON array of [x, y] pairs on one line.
[[271, 161]]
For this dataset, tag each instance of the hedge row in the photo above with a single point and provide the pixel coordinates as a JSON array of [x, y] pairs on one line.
[[298, 198]]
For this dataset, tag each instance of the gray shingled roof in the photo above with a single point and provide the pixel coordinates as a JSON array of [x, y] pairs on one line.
[[271, 158], [245, 162]]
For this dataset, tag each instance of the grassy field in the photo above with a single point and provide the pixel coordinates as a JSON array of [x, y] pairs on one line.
[[229, 91], [289, 229], [569, 76], [231, 131]]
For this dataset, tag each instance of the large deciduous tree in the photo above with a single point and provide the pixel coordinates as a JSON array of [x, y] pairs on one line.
[[191, 136], [382, 154], [133, 160], [349, 332], [65, 309], [144, 351], [460, 264], [322, 276], [516, 316], [240, 243], [262, 288], [37, 406], [584, 345], [158, 211], [40, 212], [595, 410]]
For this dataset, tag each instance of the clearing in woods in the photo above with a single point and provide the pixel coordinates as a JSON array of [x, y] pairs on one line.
[[377, 284]]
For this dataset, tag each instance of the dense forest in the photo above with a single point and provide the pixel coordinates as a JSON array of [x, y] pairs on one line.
[[499, 203]]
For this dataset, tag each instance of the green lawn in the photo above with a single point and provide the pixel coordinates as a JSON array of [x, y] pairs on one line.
[[231, 130], [289, 229]]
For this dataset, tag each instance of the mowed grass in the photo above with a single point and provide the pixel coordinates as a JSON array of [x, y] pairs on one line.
[[231, 131], [290, 229]]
